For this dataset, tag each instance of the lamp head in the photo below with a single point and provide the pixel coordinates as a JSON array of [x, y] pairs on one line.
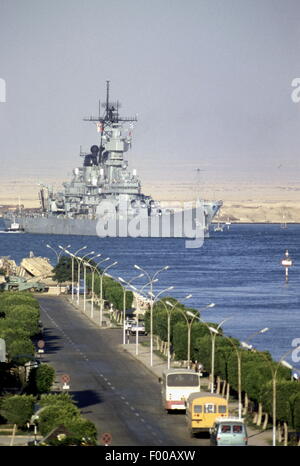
[[214, 330], [286, 364]]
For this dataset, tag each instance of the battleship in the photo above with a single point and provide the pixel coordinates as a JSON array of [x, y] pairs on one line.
[[104, 198]]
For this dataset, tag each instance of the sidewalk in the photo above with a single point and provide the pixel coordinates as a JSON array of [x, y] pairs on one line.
[[142, 355]]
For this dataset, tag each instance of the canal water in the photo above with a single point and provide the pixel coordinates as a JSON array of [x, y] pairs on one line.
[[238, 269]]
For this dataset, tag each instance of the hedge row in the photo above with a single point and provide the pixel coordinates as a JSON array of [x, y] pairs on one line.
[[19, 322]]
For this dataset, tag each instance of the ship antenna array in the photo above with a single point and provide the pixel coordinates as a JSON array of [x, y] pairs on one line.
[[111, 111]]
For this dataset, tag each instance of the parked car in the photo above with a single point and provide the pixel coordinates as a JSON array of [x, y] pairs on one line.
[[230, 431], [140, 328]]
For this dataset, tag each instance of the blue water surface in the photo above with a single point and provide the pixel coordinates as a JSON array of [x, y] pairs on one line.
[[238, 269]]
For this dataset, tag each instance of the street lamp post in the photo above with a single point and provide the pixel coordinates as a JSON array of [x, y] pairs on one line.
[[79, 260], [169, 312], [189, 322], [239, 361], [56, 253], [153, 299], [101, 274], [213, 333], [57, 256], [128, 283], [73, 256], [86, 263], [94, 269], [274, 388], [151, 281]]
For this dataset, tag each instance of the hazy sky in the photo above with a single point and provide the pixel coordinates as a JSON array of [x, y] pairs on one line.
[[210, 81]]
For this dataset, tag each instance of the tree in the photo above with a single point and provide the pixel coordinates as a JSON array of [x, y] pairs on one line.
[[17, 409], [82, 430], [54, 415], [62, 272], [112, 291]]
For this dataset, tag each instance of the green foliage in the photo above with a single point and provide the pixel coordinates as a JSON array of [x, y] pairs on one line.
[[11, 299], [294, 401], [63, 270], [53, 399], [54, 415], [59, 409], [25, 318], [17, 409], [203, 351], [112, 291], [82, 429], [21, 315], [41, 379], [180, 339], [10, 334], [21, 351], [287, 393]]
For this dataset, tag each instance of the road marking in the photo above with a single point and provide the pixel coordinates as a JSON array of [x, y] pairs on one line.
[[100, 374]]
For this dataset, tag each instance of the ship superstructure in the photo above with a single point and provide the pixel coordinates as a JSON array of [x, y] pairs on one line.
[[104, 174]]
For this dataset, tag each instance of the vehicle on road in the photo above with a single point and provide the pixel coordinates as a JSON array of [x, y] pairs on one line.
[[138, 327], [202, 410], [177, 385], [230, 431]]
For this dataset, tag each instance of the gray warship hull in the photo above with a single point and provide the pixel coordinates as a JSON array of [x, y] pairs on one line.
[[182, 224]]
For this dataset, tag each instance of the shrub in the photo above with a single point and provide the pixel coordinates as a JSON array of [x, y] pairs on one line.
[[9, 299], [41, 379], [82, 429], [52, 399], [17, 409], [25, 318], [21, 351], [54, 415]]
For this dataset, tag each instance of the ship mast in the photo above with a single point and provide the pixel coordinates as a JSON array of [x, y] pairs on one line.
[[111, 113]]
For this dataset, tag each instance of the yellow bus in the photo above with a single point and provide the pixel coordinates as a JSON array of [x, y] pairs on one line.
[[202, 409]]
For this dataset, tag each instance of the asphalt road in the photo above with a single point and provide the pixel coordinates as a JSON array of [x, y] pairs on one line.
[[111, 388]]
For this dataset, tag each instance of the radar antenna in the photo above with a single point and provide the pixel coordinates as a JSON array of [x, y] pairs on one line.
[[111, 113]]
